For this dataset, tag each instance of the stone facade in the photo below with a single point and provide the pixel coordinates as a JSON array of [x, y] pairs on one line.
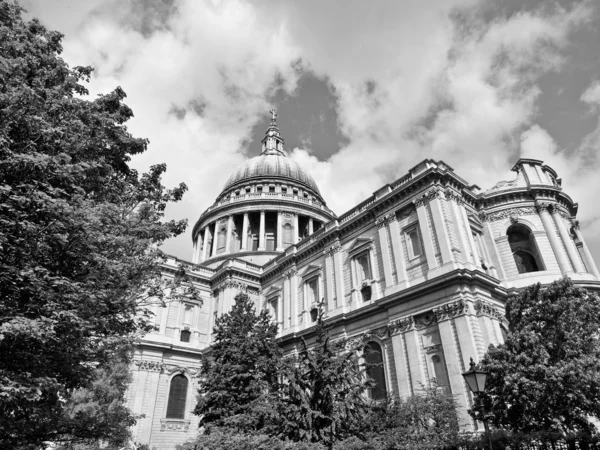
[[423, 268]]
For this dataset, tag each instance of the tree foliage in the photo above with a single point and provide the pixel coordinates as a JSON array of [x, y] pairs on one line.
[[426, 420], [322, 397], [546, 376], [242, 368], [78, 230]]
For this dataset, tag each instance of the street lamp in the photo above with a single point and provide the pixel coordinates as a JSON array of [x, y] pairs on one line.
[[475, 379]]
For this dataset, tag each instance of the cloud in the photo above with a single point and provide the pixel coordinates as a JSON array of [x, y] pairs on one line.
[[456, 80], [592, 94]]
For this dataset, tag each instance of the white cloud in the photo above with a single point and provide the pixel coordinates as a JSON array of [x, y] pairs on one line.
[[412, 83], [592, 94]]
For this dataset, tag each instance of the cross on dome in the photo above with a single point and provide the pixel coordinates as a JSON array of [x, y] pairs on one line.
[[272, 143]]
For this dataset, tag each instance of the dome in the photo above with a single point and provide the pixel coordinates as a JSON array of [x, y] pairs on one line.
[[271, 165]]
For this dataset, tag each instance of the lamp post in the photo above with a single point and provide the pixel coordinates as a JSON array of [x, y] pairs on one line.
[[475, 379]]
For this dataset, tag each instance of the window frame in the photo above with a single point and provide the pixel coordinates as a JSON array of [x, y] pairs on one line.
[[409, 242], [186, 398]]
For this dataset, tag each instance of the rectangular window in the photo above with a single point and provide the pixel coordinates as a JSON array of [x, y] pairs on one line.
[[187, 314], [413, 239], [273, 308], [312, 291], [363, 267]]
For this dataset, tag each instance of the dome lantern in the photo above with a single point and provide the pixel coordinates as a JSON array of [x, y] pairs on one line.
[[272, 143]]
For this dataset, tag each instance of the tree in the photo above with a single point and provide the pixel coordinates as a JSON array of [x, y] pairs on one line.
[[425, 420], [546, 376], [322, 394], [79, 231], [242, 369]]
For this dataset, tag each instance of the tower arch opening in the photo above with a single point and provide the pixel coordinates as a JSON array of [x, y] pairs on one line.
[[524, 249]]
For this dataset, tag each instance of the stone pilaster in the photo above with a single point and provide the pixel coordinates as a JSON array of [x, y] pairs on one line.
[[425, 234], [385, 254]]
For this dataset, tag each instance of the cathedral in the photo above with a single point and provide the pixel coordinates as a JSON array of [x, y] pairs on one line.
[[420, 271]]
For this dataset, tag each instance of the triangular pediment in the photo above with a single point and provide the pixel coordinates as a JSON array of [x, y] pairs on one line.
[[360, 244], [272, 291], [310, 270]]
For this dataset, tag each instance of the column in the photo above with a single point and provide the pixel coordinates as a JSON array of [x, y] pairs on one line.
[[437, 214], [214, 242], [567, 241], [245, 232], [310, 226], [279, 245], [398, 252], [205, 248], [553, 238], [589, 259], [385, 254], [229, 231], [197, 243], [427, 240], [329, 280], [261, 232], [296, 230]]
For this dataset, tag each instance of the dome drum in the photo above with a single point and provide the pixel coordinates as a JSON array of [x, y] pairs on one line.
[[268, 204]]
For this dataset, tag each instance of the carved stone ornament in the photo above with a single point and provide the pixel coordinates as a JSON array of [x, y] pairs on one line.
[[574, 223], [424, 320], [402, 325], [384, 220], [174, 425], [157, 366], [483, 308], [381, 332], [451, 195], [543, 206], [234, 285], [290, 273], [435, 192], [419, 201], [149, 366], [507, 214], [336, 247], [451, 310], [406, 212], [433, 348]]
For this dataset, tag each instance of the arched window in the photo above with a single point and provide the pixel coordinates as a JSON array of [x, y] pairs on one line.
[[177, 397], [375, 370], [524, 248]]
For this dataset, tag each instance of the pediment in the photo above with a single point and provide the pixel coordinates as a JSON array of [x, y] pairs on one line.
[[311, 270], [272, 291], [359, 244]]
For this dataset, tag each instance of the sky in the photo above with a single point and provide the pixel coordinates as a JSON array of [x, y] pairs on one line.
[[364, 90]]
